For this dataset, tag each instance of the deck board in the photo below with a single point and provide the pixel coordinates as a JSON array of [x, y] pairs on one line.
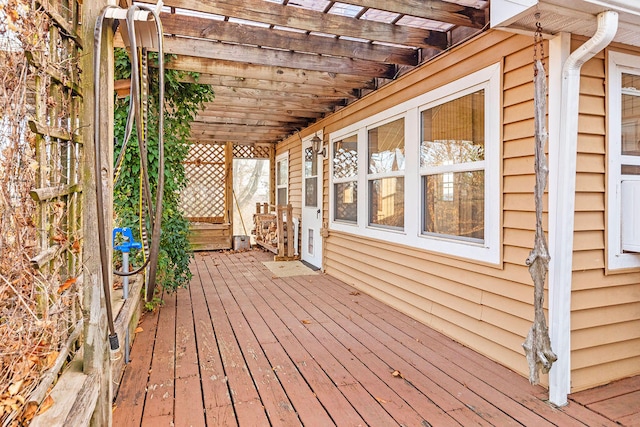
[[242, 347]]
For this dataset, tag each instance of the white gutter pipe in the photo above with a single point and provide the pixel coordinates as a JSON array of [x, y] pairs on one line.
[[560, 278]]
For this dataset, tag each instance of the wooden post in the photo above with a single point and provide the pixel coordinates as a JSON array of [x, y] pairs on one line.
[[97, 361], [290, 232], [228, 195]]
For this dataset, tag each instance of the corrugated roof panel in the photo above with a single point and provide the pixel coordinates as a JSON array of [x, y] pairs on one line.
[[343, 9], [318, 5], [427, 24], [380, 16]]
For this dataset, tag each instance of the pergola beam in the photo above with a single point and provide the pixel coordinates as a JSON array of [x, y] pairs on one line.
[[226, 31], [263, 72], [310, 20], [228, 82], [437, 10], [276, 58]]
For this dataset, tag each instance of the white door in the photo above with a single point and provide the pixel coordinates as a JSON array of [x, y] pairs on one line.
[[311, 247]]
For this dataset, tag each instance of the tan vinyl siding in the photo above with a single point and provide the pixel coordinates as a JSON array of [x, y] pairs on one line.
[[605, 317]]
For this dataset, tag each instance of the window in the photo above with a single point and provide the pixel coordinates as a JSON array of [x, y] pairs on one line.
[[386, 174], [282, 179], [624, 162], [345, 176], [428, 171], [452, 168], [310, 178]]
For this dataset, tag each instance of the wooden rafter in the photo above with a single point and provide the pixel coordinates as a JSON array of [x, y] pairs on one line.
[[225, 31], [227, 82], [437, 10], [276, 58], [310, 20], [263, 72]]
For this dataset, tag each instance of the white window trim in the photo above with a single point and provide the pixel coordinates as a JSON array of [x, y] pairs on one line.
[[279, 158], [618, 63], [486, 252], [343, 180]]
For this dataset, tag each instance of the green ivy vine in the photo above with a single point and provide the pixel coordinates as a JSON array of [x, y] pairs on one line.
[[182, 103]]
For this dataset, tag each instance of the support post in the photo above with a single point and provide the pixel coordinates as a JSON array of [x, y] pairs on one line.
[[97, 360]]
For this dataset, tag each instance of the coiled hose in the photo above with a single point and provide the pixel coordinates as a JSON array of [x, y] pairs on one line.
[[156, 217]]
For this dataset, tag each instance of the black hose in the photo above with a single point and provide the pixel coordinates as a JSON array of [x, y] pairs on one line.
[[97, 39], [157, 215]]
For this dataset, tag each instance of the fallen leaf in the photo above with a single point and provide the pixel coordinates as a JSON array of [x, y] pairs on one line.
[[381, 400], [60, 238], [354, 293], [15, 387], [306, 322], [67, 284], [51, 359], [138, 329], [46, 405], [30, 411], [397, 374]]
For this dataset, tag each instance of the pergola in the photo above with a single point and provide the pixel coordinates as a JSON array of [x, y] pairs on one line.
[[277, 66]]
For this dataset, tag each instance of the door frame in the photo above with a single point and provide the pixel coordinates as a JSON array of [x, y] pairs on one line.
[[312, 217]]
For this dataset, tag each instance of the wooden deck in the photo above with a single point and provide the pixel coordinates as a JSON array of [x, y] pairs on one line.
[[243, 347]]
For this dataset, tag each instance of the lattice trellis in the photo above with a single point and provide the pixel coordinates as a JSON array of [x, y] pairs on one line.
[[58, 146], [204, 198], [41, 156], [255, 151]]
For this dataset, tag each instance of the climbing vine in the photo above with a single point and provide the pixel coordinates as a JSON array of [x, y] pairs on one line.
[[182, 102]]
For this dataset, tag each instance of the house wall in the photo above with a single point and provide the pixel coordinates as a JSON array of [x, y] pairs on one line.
[[485, 306], [605, 304]]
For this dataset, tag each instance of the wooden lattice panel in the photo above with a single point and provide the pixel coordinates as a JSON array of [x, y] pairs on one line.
[[254, 151], [204, 198]]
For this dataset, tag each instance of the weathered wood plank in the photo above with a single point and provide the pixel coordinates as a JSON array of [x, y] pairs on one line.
[[277, 58], [263, 72], [619, 406], [598, 394], [186, 356], [280, 39], [161, 388], [215, 391], [310, 20], [42, 194], [131, 393], [189, 408], [241, 387]]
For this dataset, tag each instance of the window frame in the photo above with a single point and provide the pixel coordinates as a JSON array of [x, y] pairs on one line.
[[379, 176], [480, 165], [489, 251], [618, 63], [343, 180], [279, 158]]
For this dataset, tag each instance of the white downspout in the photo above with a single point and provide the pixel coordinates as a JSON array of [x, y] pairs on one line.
[[561, 259]]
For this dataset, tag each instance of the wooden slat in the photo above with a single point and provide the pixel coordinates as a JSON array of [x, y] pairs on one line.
[[263, 72], [131, 394], [276, 58], [161, 384], [345, 91], [301, 42], [310, 20], [436, 10]]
